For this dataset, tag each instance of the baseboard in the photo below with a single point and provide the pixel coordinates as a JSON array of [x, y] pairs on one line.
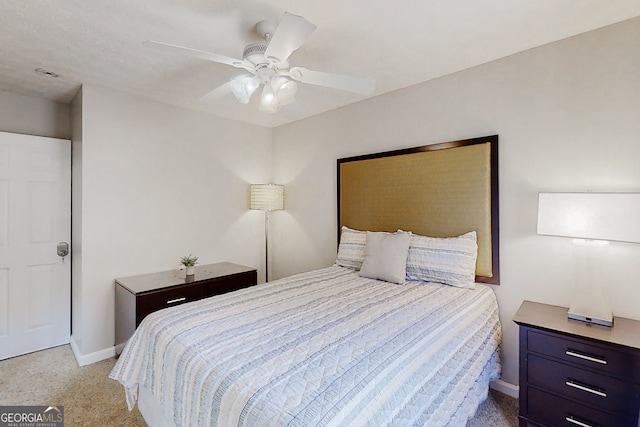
[[506, 388], [88, 359]]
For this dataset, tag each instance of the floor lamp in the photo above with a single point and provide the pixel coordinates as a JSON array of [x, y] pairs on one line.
[[266, 197]]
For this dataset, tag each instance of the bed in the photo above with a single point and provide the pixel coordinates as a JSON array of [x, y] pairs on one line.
[[372, 340]]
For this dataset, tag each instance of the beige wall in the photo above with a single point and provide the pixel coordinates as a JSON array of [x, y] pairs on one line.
[[567, 118], [33, 116], [157, 183], [76, 220]]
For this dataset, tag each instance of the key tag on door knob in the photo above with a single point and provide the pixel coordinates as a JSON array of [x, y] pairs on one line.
[[63, 249]]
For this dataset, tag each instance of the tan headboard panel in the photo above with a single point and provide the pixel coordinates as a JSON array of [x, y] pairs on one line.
[[439, 190]]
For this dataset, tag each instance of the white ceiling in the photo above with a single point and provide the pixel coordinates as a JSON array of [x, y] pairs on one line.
[[399, 43]]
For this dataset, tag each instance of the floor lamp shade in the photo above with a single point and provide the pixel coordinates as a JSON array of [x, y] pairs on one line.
[[266, 197]]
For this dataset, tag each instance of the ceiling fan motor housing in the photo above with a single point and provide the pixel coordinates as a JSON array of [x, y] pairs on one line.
[[254, 53]]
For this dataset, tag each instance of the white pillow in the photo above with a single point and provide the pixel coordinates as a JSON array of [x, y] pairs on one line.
[[351, 248], [386, 256], [449, 260]]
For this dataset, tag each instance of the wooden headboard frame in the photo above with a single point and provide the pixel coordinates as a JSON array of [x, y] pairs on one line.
[[439, 190]]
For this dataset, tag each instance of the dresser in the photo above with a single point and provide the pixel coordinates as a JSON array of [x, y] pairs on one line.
[[137, 296], [576, 374]]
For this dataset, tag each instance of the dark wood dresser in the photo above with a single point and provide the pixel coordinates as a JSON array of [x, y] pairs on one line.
[[575, 374], [137, 296]]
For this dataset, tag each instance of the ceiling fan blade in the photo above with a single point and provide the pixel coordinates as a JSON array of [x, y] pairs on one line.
[[291, 33], [209, 56], [214, 95], [359, 85]]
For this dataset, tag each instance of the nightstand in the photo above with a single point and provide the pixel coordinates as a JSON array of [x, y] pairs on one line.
[[138, 296], [577, 374]]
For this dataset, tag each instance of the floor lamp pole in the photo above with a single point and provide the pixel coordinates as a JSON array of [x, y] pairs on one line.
[[266, 245]]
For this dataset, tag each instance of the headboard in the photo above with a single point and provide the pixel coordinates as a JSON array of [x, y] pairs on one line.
[[438, 190]]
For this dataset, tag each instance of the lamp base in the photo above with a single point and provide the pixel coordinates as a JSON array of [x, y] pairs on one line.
[[602, 316]]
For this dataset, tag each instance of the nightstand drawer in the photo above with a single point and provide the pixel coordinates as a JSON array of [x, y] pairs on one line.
[[600, 391], [553, 411], [583, 353], [168, 298]]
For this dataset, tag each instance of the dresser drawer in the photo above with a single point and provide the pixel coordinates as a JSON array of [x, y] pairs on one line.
[[230, 283], [148, 303], [600, 391], [553, 411], [584, 353]]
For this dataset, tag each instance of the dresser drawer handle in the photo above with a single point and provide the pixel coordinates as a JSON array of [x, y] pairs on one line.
[[597, 392], [585, 357], [578, 423], [171, 301]]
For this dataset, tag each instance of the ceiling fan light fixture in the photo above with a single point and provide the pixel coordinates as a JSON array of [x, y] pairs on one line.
[[268, 101], [267, 64], [243, 86], [285, 89]]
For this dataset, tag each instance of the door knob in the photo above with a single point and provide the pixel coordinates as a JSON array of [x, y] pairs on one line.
[[63, 249]]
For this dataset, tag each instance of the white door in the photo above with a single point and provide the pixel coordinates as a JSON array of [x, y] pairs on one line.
[[35, 215]]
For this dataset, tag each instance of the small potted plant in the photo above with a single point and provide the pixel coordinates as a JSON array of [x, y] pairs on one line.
[[189, 262]]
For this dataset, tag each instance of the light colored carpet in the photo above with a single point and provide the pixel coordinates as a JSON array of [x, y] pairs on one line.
[[90, 398]]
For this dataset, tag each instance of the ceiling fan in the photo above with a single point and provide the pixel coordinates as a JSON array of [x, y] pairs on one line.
[[266, 65]]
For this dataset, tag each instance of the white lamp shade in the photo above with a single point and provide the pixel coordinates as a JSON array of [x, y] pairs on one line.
[[268, 101], [266, 197], [285, 90], [596, 216], [243, 87]]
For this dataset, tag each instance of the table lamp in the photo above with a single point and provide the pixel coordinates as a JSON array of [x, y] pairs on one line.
[[595, 218]]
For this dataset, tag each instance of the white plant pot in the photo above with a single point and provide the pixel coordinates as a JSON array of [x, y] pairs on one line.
[[190, 270]]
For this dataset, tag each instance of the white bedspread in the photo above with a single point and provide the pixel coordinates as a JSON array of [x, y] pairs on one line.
[[323, 348]]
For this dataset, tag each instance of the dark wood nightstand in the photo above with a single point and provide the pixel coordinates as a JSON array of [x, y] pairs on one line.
[[137, 296], [576, 374]]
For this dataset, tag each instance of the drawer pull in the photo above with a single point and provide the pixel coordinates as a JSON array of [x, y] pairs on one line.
[[171, 301], [578, 423], [597, 392], [585, 357]]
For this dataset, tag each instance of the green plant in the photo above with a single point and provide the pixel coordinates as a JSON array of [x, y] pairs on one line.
[[189, 261]]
